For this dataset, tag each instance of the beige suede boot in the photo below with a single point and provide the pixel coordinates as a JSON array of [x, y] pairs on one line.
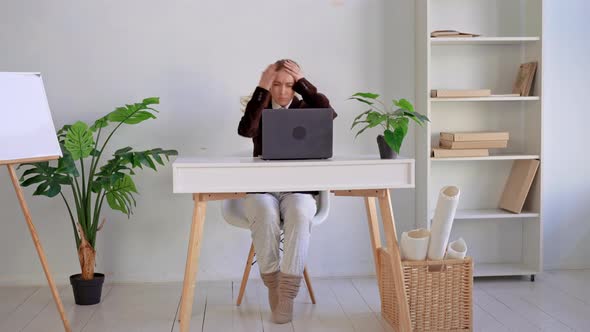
[[271, 281], [288, 289]]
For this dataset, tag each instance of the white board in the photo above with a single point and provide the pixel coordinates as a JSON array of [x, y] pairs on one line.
[[26, 126]]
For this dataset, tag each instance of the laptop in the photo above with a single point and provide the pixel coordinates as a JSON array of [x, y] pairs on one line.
[[303, 133]]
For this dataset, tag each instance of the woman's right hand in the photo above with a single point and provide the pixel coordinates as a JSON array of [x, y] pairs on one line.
[[268, 76]]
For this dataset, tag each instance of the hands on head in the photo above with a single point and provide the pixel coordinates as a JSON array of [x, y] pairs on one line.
[[268, 76], [293, 69], [270, 73]]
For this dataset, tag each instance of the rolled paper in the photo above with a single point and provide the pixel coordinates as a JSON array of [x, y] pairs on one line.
[[414, 244], [442, 222], [457, 249]]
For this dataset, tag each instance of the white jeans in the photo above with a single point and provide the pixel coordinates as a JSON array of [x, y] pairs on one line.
[[265, 212]]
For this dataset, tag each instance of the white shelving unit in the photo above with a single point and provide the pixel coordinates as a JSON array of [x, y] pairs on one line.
[[501, 243]]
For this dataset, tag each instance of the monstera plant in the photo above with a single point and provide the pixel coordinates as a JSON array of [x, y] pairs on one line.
[[84, 186]]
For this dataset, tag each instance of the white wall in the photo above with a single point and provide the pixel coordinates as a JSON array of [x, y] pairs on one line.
[[566, 198], [199, 57]]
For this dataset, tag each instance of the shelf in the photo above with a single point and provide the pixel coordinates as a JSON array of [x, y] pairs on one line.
[[481, 214], [494, 157], [492, 214], [478, 99], [483, 40], [502, 269]]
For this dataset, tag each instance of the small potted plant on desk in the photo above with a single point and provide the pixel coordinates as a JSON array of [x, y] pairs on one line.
[[90, 185], [394, 122]]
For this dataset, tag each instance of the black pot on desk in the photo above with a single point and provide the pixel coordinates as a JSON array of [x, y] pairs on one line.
[[87, 292], [385, 151]]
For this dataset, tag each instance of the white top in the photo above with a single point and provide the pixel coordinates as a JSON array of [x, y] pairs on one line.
[[249, 174], [258, 162], [277, 106]]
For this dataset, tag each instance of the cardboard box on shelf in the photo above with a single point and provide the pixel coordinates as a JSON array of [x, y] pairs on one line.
[[460, 93], [475, 136], [447, 153], [518, 185], [473, 144]]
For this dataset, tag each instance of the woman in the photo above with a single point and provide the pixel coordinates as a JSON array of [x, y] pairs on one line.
[[264, 211]]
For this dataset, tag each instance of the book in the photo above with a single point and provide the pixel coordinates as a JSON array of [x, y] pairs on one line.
[[518, 185], [474, 136], [473, 144], [525, 78], [506, 95], [446, 153], [451, 33], [463, 93]]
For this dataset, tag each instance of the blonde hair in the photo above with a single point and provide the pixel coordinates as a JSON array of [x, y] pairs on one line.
[[281, 63], [244, 102]]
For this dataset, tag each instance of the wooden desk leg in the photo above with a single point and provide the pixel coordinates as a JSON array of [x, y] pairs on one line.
[[37, 242], [396, 263], [371, 205], [192, 262]]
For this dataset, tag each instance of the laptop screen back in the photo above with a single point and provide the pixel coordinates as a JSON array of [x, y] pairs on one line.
[[304, 133]]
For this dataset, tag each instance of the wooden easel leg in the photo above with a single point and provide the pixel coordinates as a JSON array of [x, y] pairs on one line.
[[396, 263], [192, 262], [37, 242], [374, 233], [246, 275]]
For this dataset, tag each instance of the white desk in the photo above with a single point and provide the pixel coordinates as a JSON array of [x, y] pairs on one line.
[[232, 177]]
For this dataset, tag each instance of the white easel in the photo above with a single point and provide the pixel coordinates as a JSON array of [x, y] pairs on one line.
[[27, 135]]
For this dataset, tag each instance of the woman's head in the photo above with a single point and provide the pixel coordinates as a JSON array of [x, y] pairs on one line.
[[282, 87]]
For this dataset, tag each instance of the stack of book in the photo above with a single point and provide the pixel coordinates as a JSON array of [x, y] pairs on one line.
[[469, 144]]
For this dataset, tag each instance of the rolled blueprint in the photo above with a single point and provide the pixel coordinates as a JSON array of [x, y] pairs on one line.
[[442, 222], [414, 244], [456, 249]]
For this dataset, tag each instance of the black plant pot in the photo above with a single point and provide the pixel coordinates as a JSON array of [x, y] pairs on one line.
[[87, 292], [384, 150]]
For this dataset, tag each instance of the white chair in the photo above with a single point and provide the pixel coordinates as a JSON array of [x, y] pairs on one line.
[[233, 213]]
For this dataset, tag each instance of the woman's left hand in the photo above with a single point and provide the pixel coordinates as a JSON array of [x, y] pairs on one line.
[[294, 70]]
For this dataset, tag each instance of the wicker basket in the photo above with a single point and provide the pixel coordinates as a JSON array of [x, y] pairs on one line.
[[439, 293]]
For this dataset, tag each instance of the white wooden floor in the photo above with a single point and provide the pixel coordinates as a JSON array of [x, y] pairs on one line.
[[556, 301]]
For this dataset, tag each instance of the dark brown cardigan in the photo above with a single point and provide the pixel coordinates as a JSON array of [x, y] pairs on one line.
[[251, 123]]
